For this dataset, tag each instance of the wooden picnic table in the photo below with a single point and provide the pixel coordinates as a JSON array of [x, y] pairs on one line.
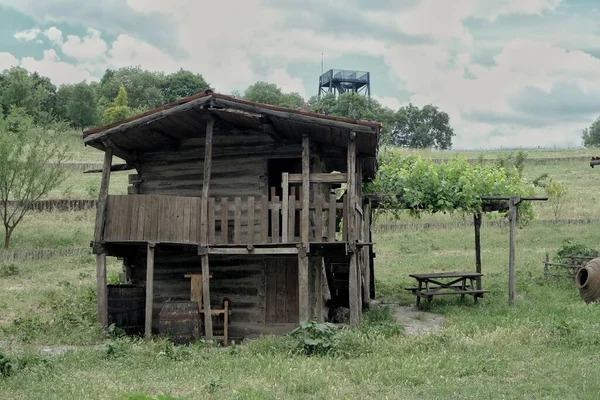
[[447, 283]]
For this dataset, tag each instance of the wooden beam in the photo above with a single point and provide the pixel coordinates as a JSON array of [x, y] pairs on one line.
[[253, 250], [307, 119], [477, 224], [102, 200], [304, 227], [354, 277], [334, 177], [116, 167], [101, 290], [366, 236], [512, 217], [208, 329], [149, 289], [303, 288]]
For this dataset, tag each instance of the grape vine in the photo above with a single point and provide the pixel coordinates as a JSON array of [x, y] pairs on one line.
[[420, 185]]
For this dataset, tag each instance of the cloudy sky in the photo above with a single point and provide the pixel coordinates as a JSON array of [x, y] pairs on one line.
[[509, 72]]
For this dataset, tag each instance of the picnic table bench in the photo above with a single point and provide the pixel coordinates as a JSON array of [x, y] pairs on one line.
[[447, 283]]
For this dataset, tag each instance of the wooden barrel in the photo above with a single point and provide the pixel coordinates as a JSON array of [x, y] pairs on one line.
[[180, 321], [126, 307]]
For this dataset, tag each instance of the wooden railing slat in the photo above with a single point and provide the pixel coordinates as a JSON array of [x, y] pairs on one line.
[[264, 218], [211, 220], [250, 220], [332, 224], [291, 218], [237, 221], [224, 220], [275, 212], [318, 218]]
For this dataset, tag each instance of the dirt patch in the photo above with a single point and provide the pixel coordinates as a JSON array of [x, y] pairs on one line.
[[415, 321]]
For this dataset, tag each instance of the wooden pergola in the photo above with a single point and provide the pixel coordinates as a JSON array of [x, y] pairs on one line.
[[489, 204]]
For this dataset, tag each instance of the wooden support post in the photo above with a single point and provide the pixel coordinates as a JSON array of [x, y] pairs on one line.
[[102, 200], [101, 289], [477, 223], [354, 278], [303, 264], [208, 329], [305, 190], [319, 264], [512, 216], [365, 254], [149, 288], [206, 182]]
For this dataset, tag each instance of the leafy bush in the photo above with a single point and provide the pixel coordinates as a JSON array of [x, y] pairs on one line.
[[570, 247], [312, 338], [557, 195], [7, 270], [7, 365]]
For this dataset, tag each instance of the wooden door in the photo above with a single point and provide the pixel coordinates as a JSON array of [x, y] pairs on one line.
[[282, 290]]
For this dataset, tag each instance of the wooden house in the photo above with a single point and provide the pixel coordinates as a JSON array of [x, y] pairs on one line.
[[247, 196]]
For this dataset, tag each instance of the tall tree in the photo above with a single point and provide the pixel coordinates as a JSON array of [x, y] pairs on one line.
[[31, 92], [82, 108], [182, 83], [422, 128], [143, 87], [119, 110], [31, 165], [263, 92], [591, 135]]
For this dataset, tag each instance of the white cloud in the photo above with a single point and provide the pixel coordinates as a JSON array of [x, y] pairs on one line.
[[90, 47], [127, 51], [7, 61], [286, 82], [54, 35], [27, 35], [390, 102], [58, 71]]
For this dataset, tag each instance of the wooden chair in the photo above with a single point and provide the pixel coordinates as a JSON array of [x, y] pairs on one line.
[[196, 295]]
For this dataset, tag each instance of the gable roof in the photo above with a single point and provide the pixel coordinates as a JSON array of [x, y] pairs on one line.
[[187, 117]]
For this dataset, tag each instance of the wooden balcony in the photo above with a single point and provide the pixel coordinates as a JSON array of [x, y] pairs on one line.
[[233, 221]]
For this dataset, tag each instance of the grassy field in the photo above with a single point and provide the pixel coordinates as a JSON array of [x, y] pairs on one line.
[[545, 346]]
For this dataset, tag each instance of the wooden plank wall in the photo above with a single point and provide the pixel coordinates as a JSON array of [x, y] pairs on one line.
[[241, 279]]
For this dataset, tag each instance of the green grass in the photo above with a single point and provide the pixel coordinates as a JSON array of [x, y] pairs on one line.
[[545, 346]]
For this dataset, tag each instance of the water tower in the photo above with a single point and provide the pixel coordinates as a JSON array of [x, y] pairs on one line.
[[339, 81]]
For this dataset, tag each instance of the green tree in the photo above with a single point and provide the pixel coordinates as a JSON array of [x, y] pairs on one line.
[[144, 88], [263, 92], [119, 110], [557, 195], [63, 95], [422, 128], [82, 108], [591, 135], [31, 165], [182, 83], [32, 92]]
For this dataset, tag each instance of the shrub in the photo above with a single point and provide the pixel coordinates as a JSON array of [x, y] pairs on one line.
[[7, 270], [7, 365], [312, 338], [570, 247], [380, 321]]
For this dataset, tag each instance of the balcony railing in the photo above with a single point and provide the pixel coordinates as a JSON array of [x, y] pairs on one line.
[[231, 221]]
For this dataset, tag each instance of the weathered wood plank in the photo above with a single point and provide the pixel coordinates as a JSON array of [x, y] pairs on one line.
[[331, 218], [354, 277], [102, 199], [304, 219], [133, 222], [194, 201], [284, 207], [211, 220], [224, 220], [208, 328], [206, 183], [512, 217], [291, 218], [250, 240], [320, 177], [102, 300], [275, 213], [318, 218], [187, 219], [182, 236], [149, 289], [155, 218], [237, 221], [264, 220], [303, 290], [141, 220]]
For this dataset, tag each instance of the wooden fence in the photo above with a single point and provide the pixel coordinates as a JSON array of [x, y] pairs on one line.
[[396, 227], [60, 205], [42, 254]]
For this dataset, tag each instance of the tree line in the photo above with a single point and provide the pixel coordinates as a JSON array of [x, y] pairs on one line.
[[127, 91]]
